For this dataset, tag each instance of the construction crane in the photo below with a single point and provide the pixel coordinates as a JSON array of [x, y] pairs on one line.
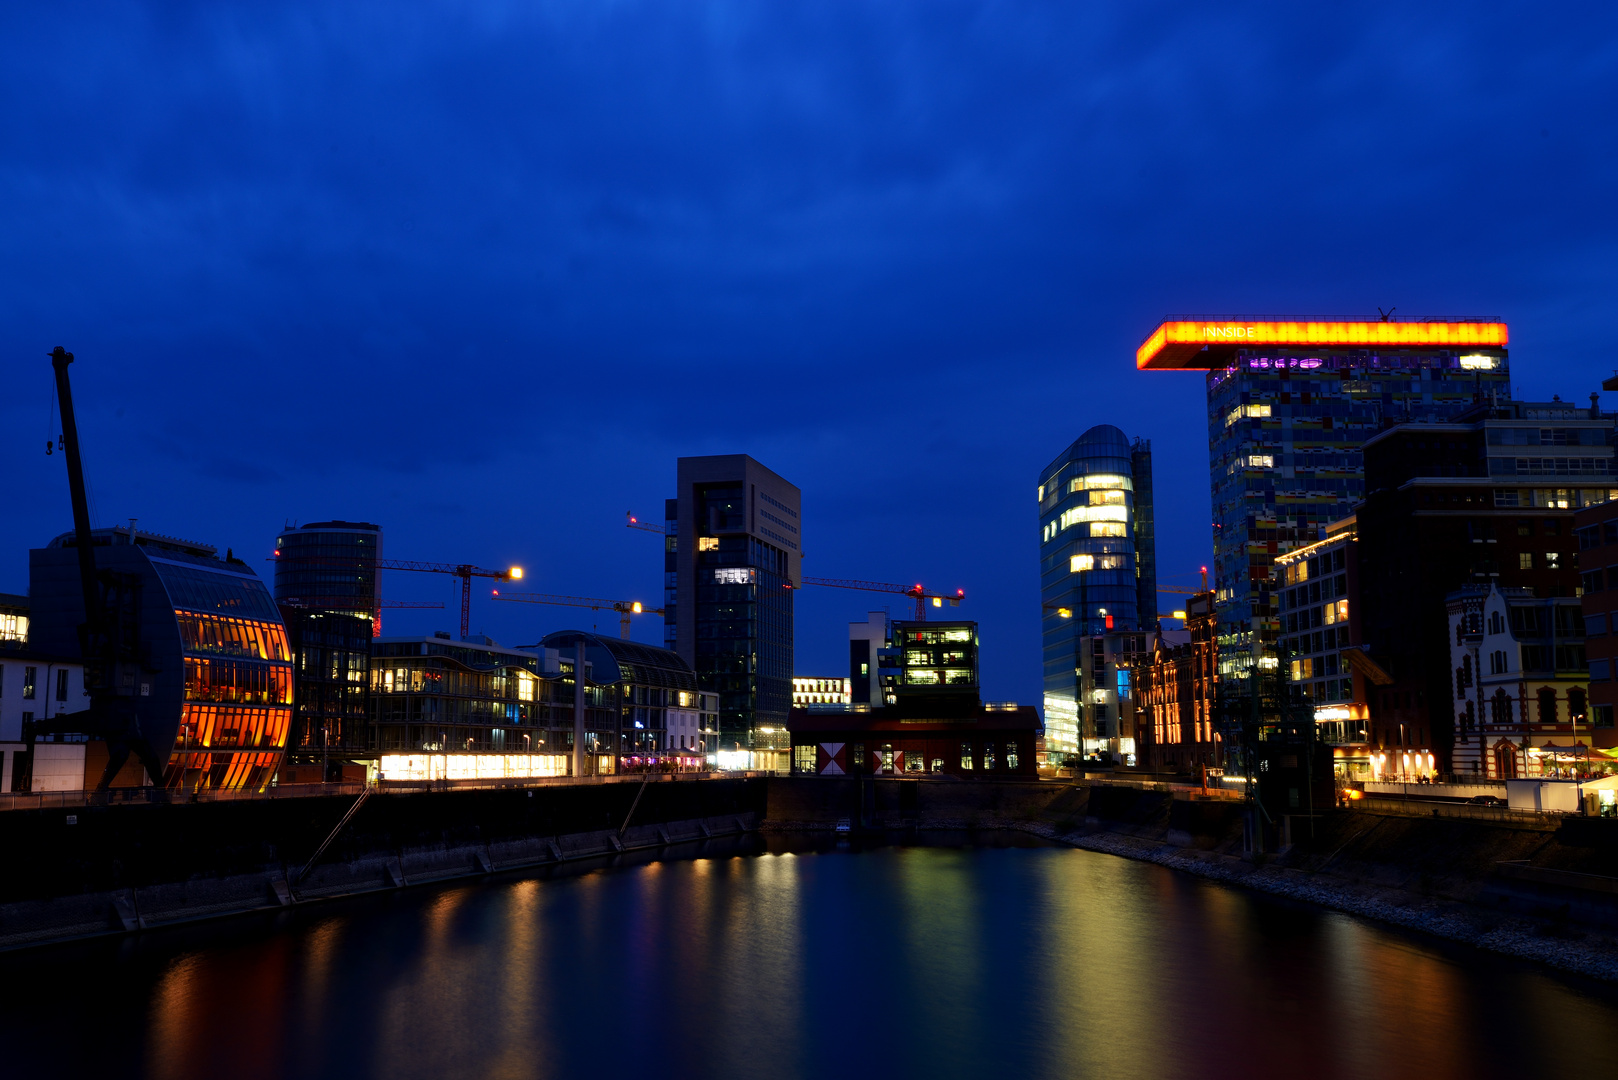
[[465, 571], [624, 608], [916, 592], [412, 604]]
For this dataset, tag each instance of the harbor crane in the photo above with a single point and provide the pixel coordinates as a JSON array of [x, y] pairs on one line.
[[624, 608], [916, 592], [465, 571]]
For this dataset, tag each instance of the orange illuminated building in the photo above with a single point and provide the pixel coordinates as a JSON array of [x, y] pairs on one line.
[[214, 702]]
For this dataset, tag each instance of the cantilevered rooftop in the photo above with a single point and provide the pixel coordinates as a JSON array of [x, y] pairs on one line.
[[1204, 342]]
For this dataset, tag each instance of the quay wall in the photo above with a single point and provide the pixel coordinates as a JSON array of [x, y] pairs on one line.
[[87, 870]]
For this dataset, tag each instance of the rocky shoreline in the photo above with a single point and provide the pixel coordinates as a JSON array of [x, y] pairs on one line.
[[1587, 954]]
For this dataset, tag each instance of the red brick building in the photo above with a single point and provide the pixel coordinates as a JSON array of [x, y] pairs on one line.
[[1596, 529], [1175, 687]]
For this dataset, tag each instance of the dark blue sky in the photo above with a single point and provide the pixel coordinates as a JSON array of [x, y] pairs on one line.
[[480, 273]]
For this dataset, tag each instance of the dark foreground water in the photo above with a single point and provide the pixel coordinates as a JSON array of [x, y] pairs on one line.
[[939, 961]]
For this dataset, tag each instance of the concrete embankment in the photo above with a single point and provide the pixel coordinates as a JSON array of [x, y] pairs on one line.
[[89, 870]]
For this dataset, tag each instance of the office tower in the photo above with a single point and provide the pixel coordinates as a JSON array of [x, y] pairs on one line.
[[330, 595], [1097, 571], [331, 566], [1289, 405], [732, 559]]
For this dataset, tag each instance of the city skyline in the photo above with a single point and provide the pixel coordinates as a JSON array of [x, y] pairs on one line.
[[577, 301]]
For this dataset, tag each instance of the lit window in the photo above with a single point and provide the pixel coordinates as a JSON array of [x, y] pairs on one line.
[[1525, 560], [1106, 498], [1041, 493], [1081, 562], [1260, 461], [1093, 513], [1553, 560], [734, 575], [1476, 362], [707, 543], [1106, 528]]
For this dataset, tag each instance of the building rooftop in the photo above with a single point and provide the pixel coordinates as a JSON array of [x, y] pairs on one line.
[[1204, 342]]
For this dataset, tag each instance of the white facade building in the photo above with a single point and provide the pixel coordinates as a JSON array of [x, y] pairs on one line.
[[1520, 679], [38, 688]]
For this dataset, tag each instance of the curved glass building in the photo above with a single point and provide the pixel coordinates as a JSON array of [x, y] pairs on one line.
[[215, 699], [1096, 564]]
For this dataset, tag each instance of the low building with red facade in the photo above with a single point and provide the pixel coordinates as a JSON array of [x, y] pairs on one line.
[[983, 743]]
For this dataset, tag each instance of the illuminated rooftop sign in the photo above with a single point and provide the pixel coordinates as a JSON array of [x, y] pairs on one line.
[[1200, 344]]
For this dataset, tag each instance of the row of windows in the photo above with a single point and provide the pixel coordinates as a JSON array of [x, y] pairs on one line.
[[1596, 535], [228, 636], [887, 759], [1326, 615]]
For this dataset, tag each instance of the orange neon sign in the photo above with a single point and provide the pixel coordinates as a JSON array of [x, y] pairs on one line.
[[1175, 344]]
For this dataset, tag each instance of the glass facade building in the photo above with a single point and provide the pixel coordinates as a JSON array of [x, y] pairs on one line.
[[443, 709], [1097, 567], [931, 668], [331, 566], [731, 562], [654, 695], [218, 706], [1289, 405], [330, 596]]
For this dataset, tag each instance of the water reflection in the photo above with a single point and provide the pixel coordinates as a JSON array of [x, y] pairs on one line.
[[896, 962]]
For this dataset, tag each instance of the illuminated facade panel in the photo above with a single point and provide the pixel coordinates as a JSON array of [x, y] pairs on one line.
[[1204, 343]]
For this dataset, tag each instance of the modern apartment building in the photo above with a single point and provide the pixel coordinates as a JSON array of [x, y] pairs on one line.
[[1098, 573], [1290, 403], [732, 558], [1322, 646], [931, 668]]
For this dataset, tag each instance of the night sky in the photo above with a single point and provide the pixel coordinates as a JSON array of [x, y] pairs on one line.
[[481, 272]]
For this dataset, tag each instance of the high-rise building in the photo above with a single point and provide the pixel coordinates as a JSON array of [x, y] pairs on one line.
[[732, 559], [331, 566], [1097, 568], [330, 595], [1289, 404]]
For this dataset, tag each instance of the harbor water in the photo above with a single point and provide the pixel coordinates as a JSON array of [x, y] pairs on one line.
[[970, 956]]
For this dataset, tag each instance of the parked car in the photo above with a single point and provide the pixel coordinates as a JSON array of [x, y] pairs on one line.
[[1486, 800]]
